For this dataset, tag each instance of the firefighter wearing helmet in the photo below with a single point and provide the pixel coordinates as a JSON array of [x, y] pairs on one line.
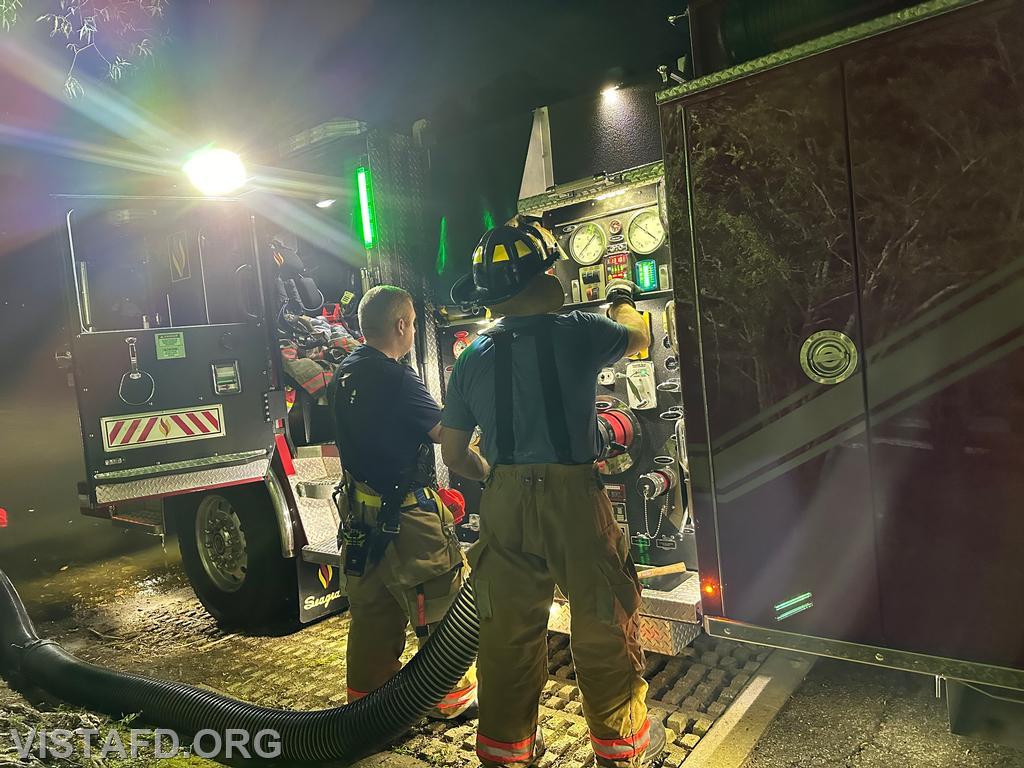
[[529, 382]]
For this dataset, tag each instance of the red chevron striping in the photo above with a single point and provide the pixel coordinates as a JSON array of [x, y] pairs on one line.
[[195, 420], [184, 427], [147, 429], [211, 416], [131, 431], [115, 431]]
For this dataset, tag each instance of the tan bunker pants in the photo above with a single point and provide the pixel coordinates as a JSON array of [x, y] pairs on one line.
[[415, 581], [542, 525]]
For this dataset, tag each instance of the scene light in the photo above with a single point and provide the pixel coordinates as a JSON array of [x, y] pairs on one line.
[[610, 92], [367, 215], [325, 203], [215, 172]]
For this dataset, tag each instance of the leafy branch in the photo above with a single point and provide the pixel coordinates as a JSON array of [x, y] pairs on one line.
[[119, 33], [8, 13]]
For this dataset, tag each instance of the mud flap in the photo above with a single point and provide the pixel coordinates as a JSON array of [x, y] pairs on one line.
[[321, 591]]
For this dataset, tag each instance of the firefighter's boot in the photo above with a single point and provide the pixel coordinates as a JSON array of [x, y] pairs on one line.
[[652, 756]]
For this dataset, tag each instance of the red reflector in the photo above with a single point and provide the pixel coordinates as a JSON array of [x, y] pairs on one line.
[[3, 517], [285, 454]]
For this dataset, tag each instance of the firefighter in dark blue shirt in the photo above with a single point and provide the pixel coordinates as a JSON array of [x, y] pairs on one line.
[[402, 559]]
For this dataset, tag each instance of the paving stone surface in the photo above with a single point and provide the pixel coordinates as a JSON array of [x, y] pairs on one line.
[[162, 631]]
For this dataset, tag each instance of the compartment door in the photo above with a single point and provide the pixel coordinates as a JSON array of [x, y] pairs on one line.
[[779, 332], [171, 360], [937, 174]]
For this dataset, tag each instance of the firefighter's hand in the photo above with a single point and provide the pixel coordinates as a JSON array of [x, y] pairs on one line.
[[620, 291]]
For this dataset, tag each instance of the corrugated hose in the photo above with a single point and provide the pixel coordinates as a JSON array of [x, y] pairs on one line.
[[338, 734]]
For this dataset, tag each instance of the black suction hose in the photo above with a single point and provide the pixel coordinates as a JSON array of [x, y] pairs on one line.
[[342, 733]]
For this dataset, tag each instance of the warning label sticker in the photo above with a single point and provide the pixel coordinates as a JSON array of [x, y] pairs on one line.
[[170, 346], [145, 430]]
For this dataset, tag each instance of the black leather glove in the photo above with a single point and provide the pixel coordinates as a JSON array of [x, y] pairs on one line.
[[621, 292]]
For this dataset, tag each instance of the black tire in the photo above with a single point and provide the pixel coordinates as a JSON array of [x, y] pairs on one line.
[[236, 567]]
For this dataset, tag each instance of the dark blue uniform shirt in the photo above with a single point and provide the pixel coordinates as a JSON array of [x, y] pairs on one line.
[[383, 414]]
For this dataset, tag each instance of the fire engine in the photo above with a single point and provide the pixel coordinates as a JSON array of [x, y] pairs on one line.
[[821, 450]]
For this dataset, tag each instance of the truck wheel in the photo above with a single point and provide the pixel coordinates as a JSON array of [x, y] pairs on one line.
[[231, 550]]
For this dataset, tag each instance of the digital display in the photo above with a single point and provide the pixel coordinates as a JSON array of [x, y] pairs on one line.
[[647, 275]]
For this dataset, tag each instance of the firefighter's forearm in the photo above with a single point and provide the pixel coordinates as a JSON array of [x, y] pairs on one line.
[[639, 333], [471, 466]]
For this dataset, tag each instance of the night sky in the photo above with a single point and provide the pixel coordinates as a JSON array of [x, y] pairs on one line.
[[248, 73]]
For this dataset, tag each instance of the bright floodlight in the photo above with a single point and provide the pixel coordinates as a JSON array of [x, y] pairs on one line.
[[611, 92], [215, 172], [326, 203]]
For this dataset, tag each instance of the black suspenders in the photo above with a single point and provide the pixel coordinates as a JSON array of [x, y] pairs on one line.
[[551, 389]]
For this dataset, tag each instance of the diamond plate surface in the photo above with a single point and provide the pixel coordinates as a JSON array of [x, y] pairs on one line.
[[667, 637], [323, 551], [180, 466], [656, 635], [168, 484], [623, 181], [434, 379], [681, 604], [319, 517], [322, 488]]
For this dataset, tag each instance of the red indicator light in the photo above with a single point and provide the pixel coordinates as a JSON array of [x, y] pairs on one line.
[[3, 517]]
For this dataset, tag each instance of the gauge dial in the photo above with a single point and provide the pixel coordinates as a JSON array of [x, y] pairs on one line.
[[646, 233], [588, 244]]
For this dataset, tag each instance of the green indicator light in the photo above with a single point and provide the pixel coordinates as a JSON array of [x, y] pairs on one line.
[[793, 601], [366, 210], [647, 274], [794, 611], [442, 247], [488, 219]]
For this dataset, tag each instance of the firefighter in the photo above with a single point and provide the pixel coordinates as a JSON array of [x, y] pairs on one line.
[[529, 382], [402, 560]]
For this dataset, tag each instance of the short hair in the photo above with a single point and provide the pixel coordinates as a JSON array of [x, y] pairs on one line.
[[380, 308]]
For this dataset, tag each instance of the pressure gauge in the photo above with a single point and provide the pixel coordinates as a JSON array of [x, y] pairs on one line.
[[646, 233], [588, 244]]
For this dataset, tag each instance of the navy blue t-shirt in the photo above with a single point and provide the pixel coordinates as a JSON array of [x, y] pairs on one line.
[[383, 414], [584, 343]]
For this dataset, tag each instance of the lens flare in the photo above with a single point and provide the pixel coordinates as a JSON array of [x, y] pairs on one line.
[[215, 172]]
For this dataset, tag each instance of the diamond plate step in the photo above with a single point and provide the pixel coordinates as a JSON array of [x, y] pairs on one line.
[[318, 488], [150, 519], [324, 552]]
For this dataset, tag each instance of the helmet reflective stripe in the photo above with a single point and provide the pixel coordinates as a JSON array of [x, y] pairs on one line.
[[504, 261]]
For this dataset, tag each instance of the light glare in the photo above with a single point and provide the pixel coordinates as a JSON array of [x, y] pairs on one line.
[[326, 203], [215, 172]]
